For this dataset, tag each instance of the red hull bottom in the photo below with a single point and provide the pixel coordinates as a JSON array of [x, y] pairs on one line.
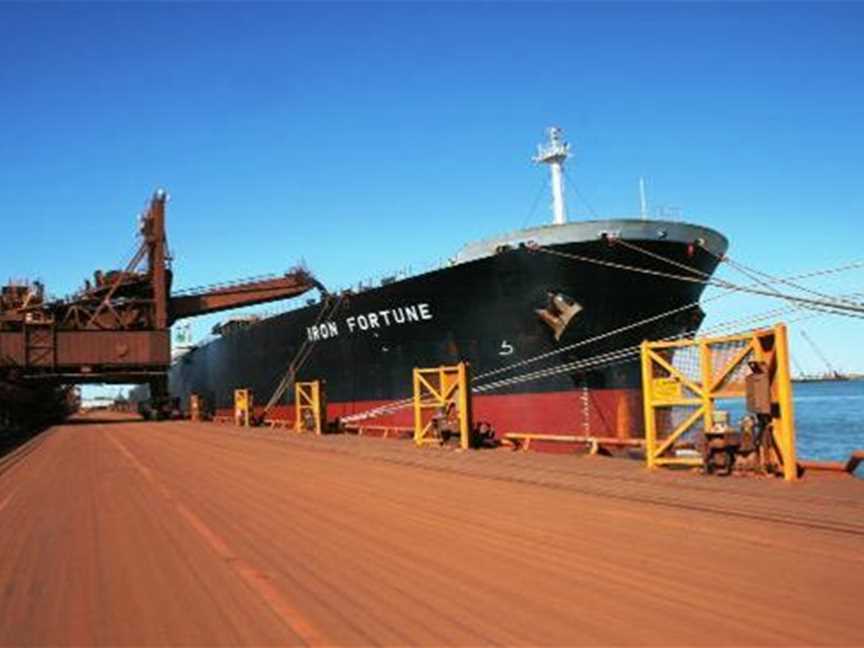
[[598, 413]]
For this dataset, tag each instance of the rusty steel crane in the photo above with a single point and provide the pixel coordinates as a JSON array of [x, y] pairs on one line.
[[116, 329]]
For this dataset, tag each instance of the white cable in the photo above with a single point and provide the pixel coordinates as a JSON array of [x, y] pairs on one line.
[[855, 308]]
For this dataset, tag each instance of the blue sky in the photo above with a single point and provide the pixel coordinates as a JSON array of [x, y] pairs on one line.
[[362, 138]]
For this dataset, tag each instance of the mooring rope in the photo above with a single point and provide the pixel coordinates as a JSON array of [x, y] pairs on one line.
[[660, 257], [627, 327], [855, 308], [751, 273], [766, 279], [616, 356], [629, 354], [328, 308], [827, 304]]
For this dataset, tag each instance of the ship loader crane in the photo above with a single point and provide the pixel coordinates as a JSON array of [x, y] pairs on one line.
[[116, 329]]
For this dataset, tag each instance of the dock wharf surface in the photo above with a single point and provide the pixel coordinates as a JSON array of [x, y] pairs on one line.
[[115, 531]]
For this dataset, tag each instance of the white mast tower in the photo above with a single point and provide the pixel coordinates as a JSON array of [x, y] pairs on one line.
[[554, 153]]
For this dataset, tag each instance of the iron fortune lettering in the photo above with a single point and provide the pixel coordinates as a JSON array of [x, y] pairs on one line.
[[372, 320]]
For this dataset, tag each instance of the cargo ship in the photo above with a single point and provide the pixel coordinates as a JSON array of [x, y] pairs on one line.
[[546, 316]]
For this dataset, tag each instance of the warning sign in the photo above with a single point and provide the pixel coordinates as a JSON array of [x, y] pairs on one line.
[[666, 389]]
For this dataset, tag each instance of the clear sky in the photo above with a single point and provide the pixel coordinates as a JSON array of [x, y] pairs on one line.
[[362, 138]]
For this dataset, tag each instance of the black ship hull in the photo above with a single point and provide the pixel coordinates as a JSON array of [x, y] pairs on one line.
[[483, 311]]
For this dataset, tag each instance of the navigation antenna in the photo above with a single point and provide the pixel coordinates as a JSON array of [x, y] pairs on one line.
[[554, 153]]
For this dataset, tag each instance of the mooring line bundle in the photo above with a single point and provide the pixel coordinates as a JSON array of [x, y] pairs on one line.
[[820, 303], [329, 307]]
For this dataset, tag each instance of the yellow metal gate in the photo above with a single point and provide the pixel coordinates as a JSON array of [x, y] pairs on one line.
[[242, 406], [682, 380], [196, 408], [442, 401], [308, 406]]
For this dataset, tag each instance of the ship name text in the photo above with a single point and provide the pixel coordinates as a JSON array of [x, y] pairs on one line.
[[372, 320]]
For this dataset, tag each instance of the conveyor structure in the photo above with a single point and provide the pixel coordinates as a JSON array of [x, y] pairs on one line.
[[116, 329]]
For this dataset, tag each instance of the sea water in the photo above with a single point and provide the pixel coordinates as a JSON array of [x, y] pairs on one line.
[[829, 418]]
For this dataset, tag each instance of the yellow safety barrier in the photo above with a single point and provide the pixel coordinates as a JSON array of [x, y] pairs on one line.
[[682, 380], [242, 406], [309, 406], [442, 405]]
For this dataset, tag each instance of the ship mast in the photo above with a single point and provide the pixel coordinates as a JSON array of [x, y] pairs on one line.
[[553, 153]]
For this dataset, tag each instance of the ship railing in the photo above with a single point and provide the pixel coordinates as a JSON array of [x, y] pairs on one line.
[[387, 278]]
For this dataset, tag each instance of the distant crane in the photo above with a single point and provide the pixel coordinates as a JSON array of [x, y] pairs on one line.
[[801, 372], [833, 374]]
